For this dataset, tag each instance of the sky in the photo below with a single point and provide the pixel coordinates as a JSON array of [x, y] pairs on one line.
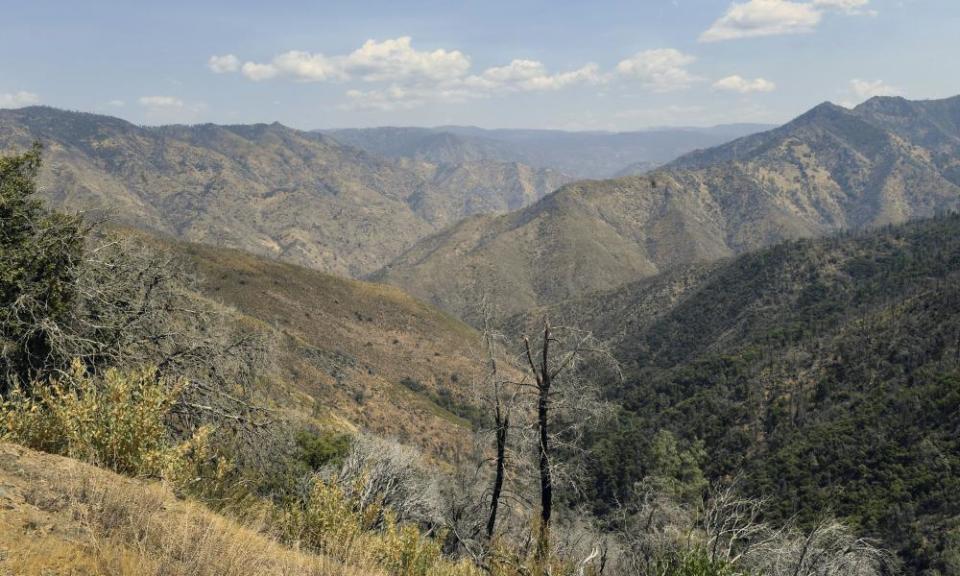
[[597, 65]]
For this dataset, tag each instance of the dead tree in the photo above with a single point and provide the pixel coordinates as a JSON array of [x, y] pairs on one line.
[[567, 399], [501, 419]]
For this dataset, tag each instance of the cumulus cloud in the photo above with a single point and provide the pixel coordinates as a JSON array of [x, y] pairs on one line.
[[517, 76], [116, 103], [413, 77], [393, 59], [397, 59], [18, 99], [530, 76], [223, 64], [756, 18], [661, 70], [737, 83], [866, 89]]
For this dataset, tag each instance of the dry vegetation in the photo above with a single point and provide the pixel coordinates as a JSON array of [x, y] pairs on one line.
[[60, 516], [353, 351]]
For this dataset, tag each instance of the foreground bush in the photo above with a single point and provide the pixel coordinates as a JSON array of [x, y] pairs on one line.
[[116, 422]]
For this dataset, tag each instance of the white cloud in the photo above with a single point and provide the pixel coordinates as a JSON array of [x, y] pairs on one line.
[[116, 103], [223, 64], [412, 77], [161, 102], [397, 59], [661, 70], [258, 72], [866, 89], [393, 59], [530, 76], [763, 18], [18, 99], [755, 18], [737, 83]]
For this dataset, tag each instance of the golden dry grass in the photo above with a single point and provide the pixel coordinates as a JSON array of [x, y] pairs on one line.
[[62, 517]]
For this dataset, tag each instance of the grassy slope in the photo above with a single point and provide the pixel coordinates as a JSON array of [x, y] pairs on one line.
[[344, 347], [58, 514]]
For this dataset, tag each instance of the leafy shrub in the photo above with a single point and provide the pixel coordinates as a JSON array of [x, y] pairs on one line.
[[318, 449], [333, 521], [694, 563], [117, 421]]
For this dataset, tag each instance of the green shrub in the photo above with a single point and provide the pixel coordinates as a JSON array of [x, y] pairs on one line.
[[694, 563], [116, 422], [39, 253], [318, 449]]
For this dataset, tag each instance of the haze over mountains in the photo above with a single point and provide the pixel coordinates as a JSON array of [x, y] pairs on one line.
[[580, 154], [886, 161]]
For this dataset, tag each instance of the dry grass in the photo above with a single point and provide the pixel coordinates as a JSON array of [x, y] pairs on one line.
[[348, 344], [61, 517]]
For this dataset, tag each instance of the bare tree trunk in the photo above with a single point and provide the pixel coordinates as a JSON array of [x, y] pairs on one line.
[[503, 424], [543, 377]]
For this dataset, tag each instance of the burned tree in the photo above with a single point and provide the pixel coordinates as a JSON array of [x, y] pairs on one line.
[[566, 365]]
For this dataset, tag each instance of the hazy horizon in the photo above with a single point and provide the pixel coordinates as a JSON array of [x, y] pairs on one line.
[[608, 66]]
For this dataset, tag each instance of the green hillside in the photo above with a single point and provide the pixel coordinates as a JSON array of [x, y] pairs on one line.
[[825, 372]]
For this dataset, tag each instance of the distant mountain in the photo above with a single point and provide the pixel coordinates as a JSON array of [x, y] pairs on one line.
[[299, 196], [581, 154], [825, 372], [830, 169]]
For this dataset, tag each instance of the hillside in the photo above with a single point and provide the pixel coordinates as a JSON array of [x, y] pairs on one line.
[[58, 513], [267, 189], [826, 372], [350, 352], [581, 154], [830, 169]]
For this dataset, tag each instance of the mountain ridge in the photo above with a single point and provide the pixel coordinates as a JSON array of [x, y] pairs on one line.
[[830, 169], [266, 188]]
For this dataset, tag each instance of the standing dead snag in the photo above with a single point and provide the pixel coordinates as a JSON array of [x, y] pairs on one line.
[[542, 377], [503, 396], [501, 415], [566, 401]]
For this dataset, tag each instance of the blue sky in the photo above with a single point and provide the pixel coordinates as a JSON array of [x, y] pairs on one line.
[[608, 65]]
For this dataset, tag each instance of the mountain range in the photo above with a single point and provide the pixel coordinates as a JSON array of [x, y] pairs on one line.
[[832, 169], [268, 189]]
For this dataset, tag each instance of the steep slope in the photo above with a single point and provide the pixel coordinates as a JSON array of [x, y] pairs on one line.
[[268, 189], [60, 516], [581, 154], [825, 372], [355, 352], [457, 191], [830, 169], [932, 124]]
